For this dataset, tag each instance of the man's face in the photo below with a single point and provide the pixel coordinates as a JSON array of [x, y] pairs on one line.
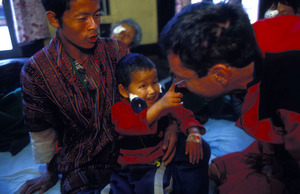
[[206, 87], [80, 24]]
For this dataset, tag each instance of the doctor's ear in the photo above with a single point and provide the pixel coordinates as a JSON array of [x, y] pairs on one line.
[[123, 91], [52, 19], [221, 73]]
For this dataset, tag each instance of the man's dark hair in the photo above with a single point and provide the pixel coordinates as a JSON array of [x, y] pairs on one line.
[[58, 7], [204, 34], [129, 64]]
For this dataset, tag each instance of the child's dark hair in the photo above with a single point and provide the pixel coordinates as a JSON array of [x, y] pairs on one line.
[[130, 63]]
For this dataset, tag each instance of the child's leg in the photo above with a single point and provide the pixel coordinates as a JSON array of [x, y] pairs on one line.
[[144, 179], [153, 180], [119, 182]]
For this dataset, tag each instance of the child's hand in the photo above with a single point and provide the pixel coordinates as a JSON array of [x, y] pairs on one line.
[[194, 147], [171, 98]]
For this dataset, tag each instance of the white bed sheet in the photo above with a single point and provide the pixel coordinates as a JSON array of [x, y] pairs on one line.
[[15, 170], [222, 135]]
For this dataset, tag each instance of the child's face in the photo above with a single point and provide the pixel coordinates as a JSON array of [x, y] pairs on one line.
[[145, 85]]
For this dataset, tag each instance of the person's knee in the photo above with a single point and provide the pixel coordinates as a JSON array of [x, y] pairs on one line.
[[206, 151]]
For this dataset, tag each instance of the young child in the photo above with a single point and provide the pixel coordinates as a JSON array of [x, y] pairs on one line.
[[140, 134]]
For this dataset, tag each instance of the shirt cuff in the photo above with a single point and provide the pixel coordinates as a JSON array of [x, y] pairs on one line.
[[43, 145]]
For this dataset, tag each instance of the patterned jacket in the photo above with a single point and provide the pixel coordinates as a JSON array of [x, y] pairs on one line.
[[54, 97]]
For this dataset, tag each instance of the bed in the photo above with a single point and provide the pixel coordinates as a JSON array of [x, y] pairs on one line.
[[16, 160], [15, 170]]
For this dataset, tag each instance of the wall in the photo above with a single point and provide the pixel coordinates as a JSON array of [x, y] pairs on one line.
[[144, 12]]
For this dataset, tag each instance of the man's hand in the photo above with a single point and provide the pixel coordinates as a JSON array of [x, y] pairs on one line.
[[42, 183], [169, 143]]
